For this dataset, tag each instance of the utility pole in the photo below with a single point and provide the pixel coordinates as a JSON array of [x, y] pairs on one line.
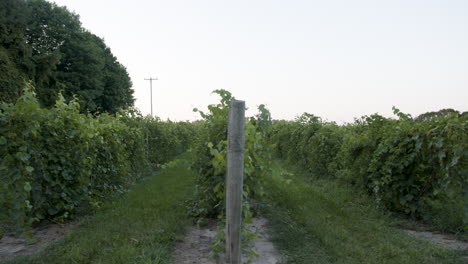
[[151, 91]]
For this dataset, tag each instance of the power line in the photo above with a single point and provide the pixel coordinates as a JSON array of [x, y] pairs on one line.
[[151, 91]]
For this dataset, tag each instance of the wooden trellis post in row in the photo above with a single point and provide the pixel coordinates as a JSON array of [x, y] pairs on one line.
[[235, 174]]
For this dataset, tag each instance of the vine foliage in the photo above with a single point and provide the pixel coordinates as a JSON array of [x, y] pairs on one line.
[[56, 163], [210, 164], [415, 166]]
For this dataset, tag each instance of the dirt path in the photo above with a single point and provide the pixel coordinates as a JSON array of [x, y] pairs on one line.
[[11, 246], [448, 241], [196, 246]]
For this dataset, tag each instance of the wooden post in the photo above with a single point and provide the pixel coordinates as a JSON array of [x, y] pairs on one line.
[[235, 174]]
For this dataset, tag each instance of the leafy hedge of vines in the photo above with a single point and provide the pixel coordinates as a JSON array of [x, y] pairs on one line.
[[414, 166], [210, 163], [56, 162]]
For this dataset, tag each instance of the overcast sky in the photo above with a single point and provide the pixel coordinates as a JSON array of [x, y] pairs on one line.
[[335, 59]]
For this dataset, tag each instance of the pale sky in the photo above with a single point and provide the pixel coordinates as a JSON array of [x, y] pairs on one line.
[[335, 59]]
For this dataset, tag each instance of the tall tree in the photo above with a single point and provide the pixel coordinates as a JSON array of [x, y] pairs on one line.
[[46, 44], [14, 51]]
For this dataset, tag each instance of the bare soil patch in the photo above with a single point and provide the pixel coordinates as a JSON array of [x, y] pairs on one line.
[[446, 240], [34, 241], [196, 246]]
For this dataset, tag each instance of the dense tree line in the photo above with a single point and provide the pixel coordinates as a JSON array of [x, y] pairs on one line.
[[45, 44]]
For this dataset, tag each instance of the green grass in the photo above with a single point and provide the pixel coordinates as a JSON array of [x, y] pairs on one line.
[[322, 221], [139, 228], [312, 221]]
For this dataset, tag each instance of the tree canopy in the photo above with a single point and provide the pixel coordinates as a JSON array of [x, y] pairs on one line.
[[45, 44]]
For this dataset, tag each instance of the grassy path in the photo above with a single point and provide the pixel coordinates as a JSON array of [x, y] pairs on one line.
[[323, 222], [315, 221], [140, 228]]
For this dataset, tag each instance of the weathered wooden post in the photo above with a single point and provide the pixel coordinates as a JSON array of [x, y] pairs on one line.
[[235, 175]]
